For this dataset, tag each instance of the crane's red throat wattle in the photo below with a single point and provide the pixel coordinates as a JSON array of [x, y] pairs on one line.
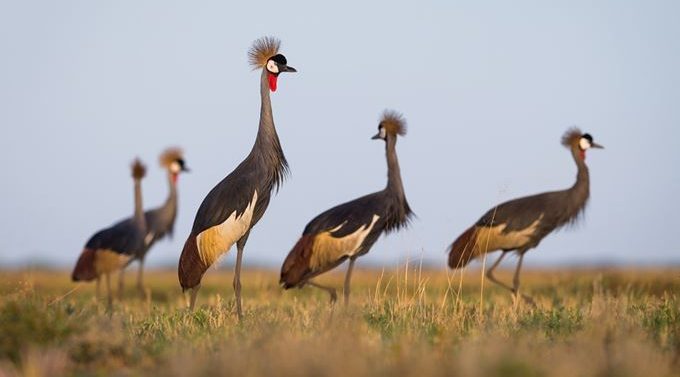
[[272, 82], [175, 176], [583, 155]]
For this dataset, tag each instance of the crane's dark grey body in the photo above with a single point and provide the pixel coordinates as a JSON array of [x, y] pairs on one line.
[[112, 248], [520, 224], [239, 201], [381, 212]]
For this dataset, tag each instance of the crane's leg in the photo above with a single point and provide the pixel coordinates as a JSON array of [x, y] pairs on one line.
[[489, 273], [348, 277], [331, 291], [140, 278], [192, 297], [237, 274], [121, 283], [515, 281]]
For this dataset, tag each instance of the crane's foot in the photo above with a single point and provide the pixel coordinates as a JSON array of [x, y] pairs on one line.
[[334, 295]]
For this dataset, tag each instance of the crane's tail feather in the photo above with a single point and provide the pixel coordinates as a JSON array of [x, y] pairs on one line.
[[462, 250], [85, 268], [191, 268], [296, 265]]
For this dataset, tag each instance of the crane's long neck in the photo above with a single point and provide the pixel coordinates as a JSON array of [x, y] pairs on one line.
[[581, 188], [139, 208], [267, 149], [170, 205], [394, 184]]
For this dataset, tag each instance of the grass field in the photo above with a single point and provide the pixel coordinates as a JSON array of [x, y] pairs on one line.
[[401, 322]]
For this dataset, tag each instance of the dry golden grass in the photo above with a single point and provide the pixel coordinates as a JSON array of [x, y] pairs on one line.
[[402, 322]]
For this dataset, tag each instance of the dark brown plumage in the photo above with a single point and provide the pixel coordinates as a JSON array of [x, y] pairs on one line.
[[520, 224]]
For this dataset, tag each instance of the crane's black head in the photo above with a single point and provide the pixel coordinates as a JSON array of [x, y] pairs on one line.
[[579, 142], [265, 54], [172, 159], [276, 65], [391, 124], [586, 142]]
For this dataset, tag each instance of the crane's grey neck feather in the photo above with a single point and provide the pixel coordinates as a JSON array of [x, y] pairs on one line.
[[267, 148], [580, 192], [394, 183], [140, 221], [168, 211], [399, 212]]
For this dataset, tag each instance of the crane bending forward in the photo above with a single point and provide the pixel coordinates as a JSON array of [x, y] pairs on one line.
[[349, 230], [520, 224], [238, 202]]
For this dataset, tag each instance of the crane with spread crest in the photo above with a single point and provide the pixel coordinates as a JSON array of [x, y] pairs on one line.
[[520, 224], [238, 202], [111, 249], [349, 230], [160, 222]]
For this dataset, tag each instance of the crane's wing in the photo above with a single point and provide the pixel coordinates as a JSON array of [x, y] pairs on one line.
[[520, 213], [124, 238], [347, 218], [232, 195]]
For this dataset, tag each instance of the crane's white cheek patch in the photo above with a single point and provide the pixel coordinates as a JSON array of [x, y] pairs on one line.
[[328, 249], [106, 261], [217, 240], [272, 67], [493, 238], [584, 143]]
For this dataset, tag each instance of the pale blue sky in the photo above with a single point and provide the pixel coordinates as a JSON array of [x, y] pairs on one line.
[[488, 88]]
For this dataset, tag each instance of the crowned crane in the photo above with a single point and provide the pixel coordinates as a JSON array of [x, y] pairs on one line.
[[160, 221], [349, 230], [111, 249], [520, 224], [238, 202]]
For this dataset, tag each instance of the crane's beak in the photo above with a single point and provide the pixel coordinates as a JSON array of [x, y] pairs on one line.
[[286, 68], [186, 169], [596, 145], [376, 136]]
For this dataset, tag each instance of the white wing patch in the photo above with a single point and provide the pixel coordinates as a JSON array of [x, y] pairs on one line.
[[328, 249], [217, 240], [148, 238]]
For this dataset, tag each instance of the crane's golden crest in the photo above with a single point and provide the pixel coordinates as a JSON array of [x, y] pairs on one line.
[[170, 156], [393, 122], [572, 137], [217, 240], [262, 50], [138, 169]]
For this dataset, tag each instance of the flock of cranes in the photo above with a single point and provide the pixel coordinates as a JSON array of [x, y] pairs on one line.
[[345, 232]]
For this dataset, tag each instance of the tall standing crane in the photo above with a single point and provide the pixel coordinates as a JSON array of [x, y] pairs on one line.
[[349, 230], [160, 221], [239, 201], [520, 224], [111, 249]]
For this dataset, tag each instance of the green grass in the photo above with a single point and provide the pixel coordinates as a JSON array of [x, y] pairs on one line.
[[403, 322]]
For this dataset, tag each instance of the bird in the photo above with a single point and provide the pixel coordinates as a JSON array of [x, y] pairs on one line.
[[160, 221], [111, 249], [519, 225], [233, 207], [349, 230]]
